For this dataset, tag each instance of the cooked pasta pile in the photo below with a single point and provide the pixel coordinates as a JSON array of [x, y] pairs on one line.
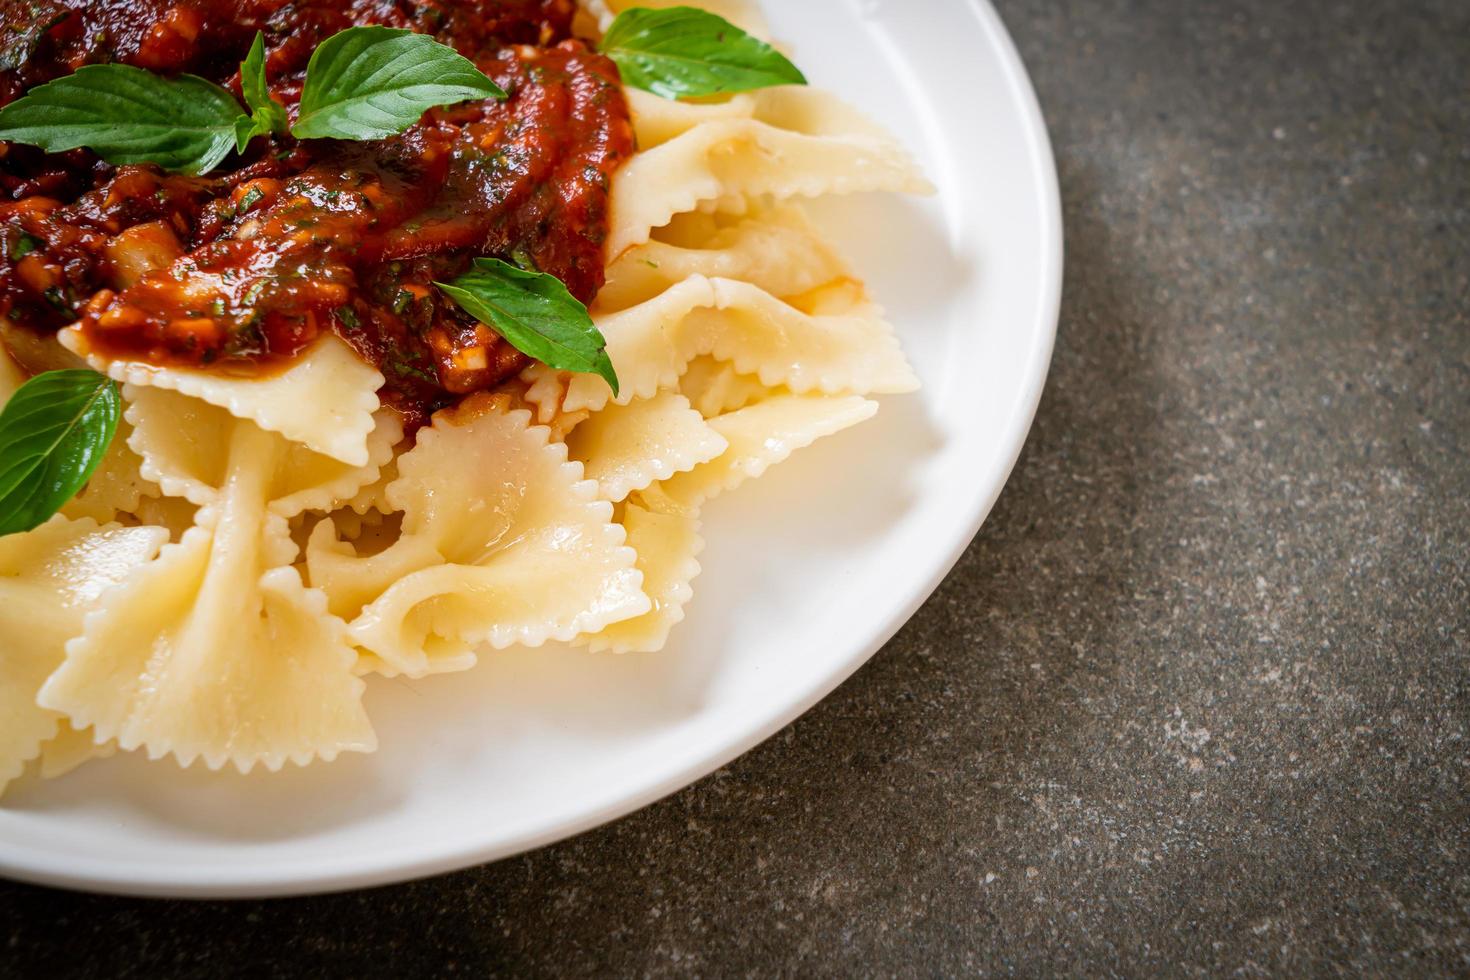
[[253, 547]]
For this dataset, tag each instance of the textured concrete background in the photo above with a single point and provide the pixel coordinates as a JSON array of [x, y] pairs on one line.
[[1197, 698]]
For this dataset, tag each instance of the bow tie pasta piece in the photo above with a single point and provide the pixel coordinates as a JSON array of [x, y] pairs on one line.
[[528, 552], [352, 526], [470, 481], [350, 578], [186, 446], [175, 514], [343, 571], [777, 250], [716, 388], [215, 649], [840, 343], [373, 498], [71, 748], [831, 339], [796, 142], [642, 343], [565, 422], [627, 447], [116, 487], [843, 345], [49, 579], [545, 392], [325, 399], [760, 436], [668, 546], [662, 519], [657, 120], [793, 108]]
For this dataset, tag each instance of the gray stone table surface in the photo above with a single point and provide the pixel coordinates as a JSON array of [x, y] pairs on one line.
[[1195, 701]]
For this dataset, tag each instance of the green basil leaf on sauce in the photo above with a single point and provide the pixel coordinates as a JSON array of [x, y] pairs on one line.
[[536, 314], [368, 83], [127, 115], [680, 51], [53, 433], [267, 116]]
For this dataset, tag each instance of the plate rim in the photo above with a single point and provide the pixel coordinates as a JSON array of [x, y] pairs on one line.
[[329, 877]]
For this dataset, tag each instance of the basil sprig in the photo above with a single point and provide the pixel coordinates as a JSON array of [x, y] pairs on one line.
[[536, 314], [128, 115], [362, 83], [678, 52], [368, 83], [267, 116], [53, 434]]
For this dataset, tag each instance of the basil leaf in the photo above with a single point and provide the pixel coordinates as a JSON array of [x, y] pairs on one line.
[[681, 51], [127, 115], [536, 314], [266, 114], [367, 83], [53, 433]]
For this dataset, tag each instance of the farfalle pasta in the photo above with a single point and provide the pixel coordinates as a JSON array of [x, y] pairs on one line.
[[844, 345], [52, 578], [186, 447], [325, 401], [533, 556], [331, 465], [629, 447], [779, 144], [216, 649], [667, 544], [776, 249], [117, 486]]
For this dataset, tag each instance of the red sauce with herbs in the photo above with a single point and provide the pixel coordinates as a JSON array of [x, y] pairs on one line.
[[243, 270]]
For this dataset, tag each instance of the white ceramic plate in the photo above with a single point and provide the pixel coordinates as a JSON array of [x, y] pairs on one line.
[[807, 571]]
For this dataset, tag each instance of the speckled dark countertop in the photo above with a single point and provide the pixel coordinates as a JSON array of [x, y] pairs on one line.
[[1196, 701]]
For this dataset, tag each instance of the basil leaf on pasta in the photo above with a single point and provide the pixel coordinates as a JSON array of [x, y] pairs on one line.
[[127, 115], [369, 83], [536, 314], [53, 434], [680, 51], [266, 114]]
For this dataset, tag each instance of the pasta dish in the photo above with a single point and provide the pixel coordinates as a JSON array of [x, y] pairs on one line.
[[351, 338]]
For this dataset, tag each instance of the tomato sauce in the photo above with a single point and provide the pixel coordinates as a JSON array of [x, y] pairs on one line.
[[242, 270]]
